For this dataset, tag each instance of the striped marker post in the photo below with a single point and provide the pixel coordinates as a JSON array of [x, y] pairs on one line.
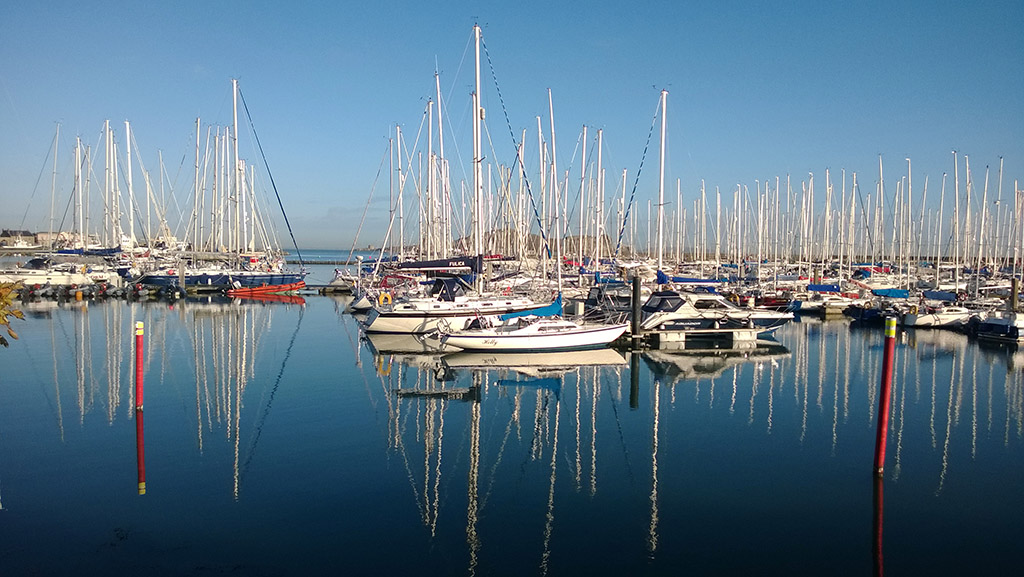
[[885, 396], [138, 365]]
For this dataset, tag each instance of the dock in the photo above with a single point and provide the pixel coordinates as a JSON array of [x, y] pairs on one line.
[[737, 338], [471, 394]]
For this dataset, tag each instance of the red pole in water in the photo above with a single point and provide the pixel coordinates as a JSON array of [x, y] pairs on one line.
[[138, 365], [884, 398], [140, 451]]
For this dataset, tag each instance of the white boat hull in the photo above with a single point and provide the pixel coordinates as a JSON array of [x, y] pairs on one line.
[[578, 338], [429, 315]]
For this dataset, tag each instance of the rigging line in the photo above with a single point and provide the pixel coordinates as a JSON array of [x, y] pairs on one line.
[[570, 217], [273, 184], [35, 188], [636, 181], [273, 391], [508, 123], [864, 212], [373, 187]]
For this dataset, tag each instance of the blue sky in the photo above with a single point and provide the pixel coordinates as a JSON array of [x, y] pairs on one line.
[[756, 90]]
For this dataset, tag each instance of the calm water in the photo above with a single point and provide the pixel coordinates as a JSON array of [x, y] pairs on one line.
[[277, 441]]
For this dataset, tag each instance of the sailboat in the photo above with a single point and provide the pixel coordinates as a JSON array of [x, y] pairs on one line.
[[538, 330], [243, 270]]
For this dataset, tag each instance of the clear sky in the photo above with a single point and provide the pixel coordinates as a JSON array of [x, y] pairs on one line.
[[756, 90]]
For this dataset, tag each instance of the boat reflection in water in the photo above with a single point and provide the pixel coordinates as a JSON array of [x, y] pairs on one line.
[[534, 364], [260, 430], [446, 408], [227, 339], [705, 361]]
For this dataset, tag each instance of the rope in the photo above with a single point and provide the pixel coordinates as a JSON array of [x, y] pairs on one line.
[[632, 194], [511, 133]]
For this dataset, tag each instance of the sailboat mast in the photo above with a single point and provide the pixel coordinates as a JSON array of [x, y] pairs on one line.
[[427, 223], [444, 244], [583, 181], [78, 190], [195, 207], [107, 221], [401, 185], [131, 186], [53, 181], [599, 229], [661, 178], [238, 176], [556, 225], [956, 224], [477, 160]]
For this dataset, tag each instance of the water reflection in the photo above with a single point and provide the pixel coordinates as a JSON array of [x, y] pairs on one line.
[[226, 340], [91, 353], [517, 464], [551, 411]]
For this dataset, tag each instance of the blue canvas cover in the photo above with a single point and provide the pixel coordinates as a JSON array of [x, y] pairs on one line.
[[940, 296], [552, 310], [891, 293]]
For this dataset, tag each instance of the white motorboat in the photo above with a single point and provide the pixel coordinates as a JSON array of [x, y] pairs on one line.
[[41, 270], [937, 317], [680, 311], [1004, 326]]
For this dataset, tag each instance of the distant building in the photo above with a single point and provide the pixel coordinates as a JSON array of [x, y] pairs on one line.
[[17, 238]]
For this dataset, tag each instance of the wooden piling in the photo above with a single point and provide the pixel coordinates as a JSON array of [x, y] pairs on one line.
[[634, 330]]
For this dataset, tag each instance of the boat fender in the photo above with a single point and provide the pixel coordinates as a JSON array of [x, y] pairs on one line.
[[384, 298], [170, 272]]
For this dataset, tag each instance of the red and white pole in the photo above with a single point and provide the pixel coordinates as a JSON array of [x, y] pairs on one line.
[[886, 394], [138, 365]]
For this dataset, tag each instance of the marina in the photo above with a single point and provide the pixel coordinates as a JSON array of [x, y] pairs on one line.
[[283, 424], [726, 325]]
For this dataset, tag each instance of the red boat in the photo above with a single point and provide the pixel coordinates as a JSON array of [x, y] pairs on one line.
[[274, 298], [267, 289]]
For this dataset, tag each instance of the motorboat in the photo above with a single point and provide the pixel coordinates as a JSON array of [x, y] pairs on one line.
[[680, 311]]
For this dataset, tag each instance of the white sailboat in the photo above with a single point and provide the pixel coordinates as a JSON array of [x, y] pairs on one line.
[[534, 331]]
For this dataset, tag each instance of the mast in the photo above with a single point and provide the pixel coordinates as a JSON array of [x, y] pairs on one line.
[[195, 206], [88, 182], [427, 232], [131, 188], [477, 160], [938, 235], [599, 229], [53, 182], [444, 246], [661, 177], [238, 176], [956, 224], [556, 222], [583, 181], [78, 189], [107, 206], [401, 186]]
